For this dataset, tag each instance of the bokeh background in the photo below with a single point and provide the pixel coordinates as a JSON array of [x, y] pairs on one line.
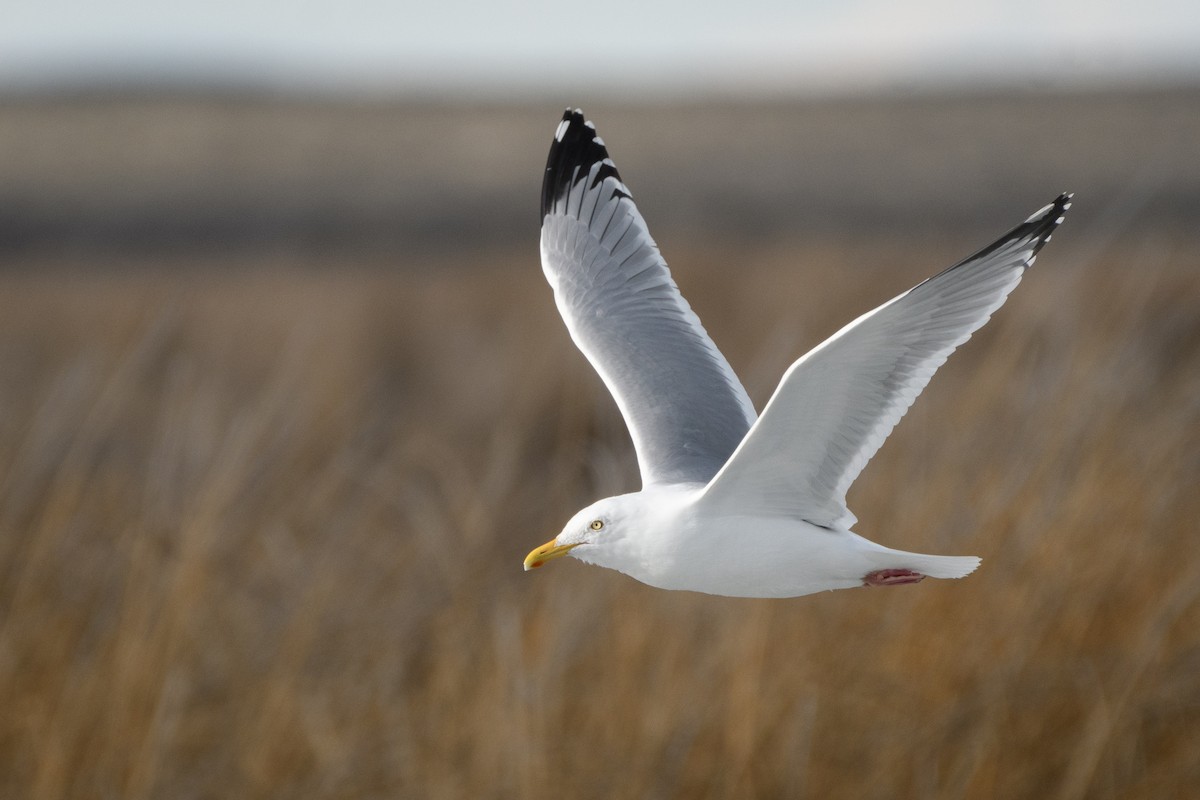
[[285, 400]]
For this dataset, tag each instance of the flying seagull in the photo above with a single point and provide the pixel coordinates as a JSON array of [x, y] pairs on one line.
[[733, 503]]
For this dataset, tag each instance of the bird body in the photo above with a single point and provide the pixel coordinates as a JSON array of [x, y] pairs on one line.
[[733, 503], [664, 536]]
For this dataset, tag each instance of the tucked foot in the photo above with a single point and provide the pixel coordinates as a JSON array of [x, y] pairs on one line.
[[891, 577]]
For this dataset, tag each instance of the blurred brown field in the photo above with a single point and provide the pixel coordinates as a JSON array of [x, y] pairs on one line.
[[263, 507]]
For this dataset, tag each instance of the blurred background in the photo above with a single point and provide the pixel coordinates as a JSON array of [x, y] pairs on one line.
[[286, 399]]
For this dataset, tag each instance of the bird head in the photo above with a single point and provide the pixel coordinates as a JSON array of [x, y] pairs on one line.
[[588, 536]]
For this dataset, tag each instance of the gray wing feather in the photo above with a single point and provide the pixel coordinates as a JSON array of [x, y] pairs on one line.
[[835, 406], [684, 406]]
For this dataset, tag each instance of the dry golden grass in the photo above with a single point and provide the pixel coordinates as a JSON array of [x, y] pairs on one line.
[[261, 534]]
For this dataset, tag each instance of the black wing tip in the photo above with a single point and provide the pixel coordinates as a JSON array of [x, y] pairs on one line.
[[1044, 222], [575, 149], [1054, 209], [1037, 229]]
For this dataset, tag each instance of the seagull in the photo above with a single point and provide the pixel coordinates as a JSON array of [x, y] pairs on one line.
[[734, 503]]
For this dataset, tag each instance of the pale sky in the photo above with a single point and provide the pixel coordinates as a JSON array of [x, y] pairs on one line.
[[624, 45]]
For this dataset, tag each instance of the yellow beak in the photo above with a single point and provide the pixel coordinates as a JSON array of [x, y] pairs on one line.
[[546, 552]]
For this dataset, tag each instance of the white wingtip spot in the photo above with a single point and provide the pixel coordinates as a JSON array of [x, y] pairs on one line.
[[598, 140], [587, 123]]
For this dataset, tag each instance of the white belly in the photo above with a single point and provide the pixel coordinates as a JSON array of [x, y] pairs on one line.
[[758, 557]]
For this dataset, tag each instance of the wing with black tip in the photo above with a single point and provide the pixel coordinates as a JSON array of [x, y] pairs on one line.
[[685, 408], [834, 407]]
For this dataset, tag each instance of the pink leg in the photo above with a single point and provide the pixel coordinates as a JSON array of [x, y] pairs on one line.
[[891, 577]]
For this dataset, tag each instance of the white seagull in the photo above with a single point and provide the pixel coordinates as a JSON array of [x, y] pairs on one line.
[[732, 504]]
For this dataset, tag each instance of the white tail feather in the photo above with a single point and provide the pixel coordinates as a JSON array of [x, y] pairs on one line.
[[932, 566]]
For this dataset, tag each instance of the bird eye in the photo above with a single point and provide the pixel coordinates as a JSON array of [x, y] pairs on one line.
[[597, 524]]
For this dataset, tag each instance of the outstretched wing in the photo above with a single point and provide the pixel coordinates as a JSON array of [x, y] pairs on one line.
[[836, 405], [685, 408]]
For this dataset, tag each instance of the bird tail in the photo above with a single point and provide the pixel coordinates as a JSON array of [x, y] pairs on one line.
[[931, 566]]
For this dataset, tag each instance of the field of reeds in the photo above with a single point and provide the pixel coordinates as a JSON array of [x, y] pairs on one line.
[[263, 508]]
